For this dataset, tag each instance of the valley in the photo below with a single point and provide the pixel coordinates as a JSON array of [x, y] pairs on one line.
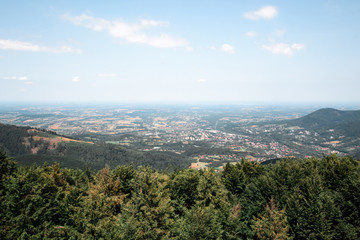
[[208, 136]]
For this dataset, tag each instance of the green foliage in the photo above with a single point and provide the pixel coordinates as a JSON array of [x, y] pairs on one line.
[[148, 214], [234, 179], [98, 208], [12, 139], [211, 191], [273, 224], [183, 188], [20, 141], [315, 199], [35, 201], [97, 156], [7, 166], [202, 222], [326, 118]]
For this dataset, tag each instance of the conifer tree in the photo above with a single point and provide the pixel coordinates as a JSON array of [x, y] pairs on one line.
[[148, 214], [100, 206], [233, 178], [272, 224], [183, 189]]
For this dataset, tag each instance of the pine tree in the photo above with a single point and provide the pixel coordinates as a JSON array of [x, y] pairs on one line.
[[183, 189], [148, 214], [272, 224], [100, 207], [233, 178]]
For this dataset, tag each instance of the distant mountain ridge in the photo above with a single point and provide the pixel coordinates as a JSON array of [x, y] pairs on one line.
[[329, 118]]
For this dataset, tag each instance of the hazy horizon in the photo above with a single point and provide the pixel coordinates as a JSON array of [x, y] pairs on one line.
[[208, 104]]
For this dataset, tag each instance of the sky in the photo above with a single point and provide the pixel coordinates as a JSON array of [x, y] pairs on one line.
[[180, 51]]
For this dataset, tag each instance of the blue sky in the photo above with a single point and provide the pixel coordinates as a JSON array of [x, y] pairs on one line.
[[180, 51]]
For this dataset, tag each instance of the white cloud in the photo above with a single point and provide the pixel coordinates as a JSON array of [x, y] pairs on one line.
[[227, 48], [131, 32], [76, 79], [297, 46], [29, 83], [268, 12], [6, 44], [279, 48], [65, 49], [152, 23], [17, 45], [283, 48], [16, 78], [201, 80], [250, 34], [212, 48], [106, 75]]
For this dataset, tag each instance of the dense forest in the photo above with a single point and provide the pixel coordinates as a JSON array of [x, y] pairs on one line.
[[291, 199], [326, 118], [19, 142]]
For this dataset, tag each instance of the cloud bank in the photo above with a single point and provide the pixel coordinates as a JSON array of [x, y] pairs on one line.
[[131, 32]]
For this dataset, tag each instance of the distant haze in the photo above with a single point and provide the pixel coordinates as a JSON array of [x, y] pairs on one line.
[[180, 51]]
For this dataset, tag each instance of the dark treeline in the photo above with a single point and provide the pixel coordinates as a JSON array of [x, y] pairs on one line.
[[97, 156], [292, 199], [12, 138], [19, 141]]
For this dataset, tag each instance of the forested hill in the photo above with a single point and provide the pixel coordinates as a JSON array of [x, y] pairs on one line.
[[327, 118], [28, 146], [12, 139], [291, 199]]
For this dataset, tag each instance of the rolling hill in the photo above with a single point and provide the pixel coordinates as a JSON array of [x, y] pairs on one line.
[[33, 146], [327, 118]]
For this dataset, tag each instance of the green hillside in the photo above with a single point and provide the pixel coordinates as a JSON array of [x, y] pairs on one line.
[[32, 146], [12, 139], [346, 123], [328, 118], [349, 129]]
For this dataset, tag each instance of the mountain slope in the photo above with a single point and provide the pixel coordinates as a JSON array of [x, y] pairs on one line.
[[28, 146], [12, 139], [328, 118]]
